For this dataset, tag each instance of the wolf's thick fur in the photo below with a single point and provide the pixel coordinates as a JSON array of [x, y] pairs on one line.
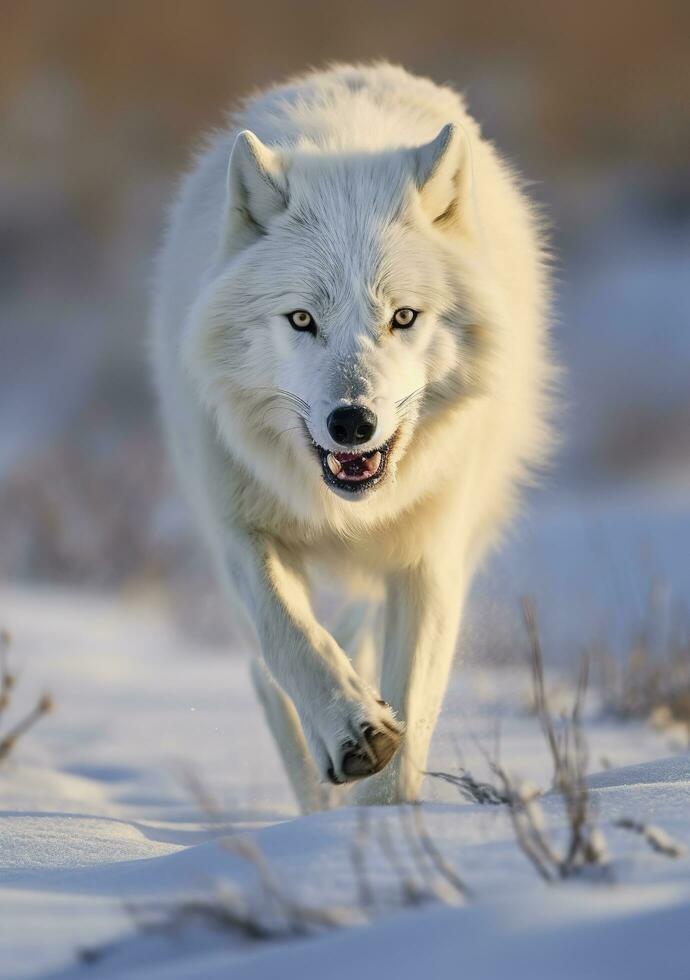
[[350, 194]]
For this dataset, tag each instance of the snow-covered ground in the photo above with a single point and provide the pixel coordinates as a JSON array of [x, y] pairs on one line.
[[97, 814]]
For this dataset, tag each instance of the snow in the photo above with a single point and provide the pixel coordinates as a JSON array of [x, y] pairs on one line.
[[601, 567], [97, 814]]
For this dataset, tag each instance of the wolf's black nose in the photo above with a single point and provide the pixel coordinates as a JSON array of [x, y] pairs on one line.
[[351, 425]]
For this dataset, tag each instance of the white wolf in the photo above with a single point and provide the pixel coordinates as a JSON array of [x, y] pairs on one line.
[[351, 355]]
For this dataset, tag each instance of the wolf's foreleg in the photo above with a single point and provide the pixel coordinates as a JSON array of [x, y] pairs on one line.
[[359, 632], [311, 794], [350, 731], [422, 617]]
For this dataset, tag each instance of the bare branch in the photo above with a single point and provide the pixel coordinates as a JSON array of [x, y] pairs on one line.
[[486, 794], [567, 746], [657, 838], [7, 686]]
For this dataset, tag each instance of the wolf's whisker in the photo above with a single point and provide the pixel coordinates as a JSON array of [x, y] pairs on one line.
[[282, 393], [413, 396]]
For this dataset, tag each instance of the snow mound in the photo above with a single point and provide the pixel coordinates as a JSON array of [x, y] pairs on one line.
[[97, 815]]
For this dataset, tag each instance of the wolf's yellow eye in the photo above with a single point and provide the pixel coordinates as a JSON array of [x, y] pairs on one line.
[[404, 317], [301, 320]]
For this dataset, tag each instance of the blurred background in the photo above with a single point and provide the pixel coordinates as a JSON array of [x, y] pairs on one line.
[[101, 104]]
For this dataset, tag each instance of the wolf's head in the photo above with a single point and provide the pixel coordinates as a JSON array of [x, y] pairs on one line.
[[345, 307]]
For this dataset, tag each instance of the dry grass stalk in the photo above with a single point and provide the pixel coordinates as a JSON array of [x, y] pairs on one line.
[[428, 876], [7, 685], [653, 681], [272, 912], [458, 889], [413, 891], [474, 790], [263, 915], [365, 892], [585, 848], [657, 838]]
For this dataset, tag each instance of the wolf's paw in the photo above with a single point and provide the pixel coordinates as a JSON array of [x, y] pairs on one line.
[[371, 745]]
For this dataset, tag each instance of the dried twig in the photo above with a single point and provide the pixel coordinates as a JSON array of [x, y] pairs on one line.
[[267, 915], [365, 892], [410, 890], [657, 838], [7, 679], [527, 819], [9, 739], [443, 868], [472, 789], [652, 682], [7, 686], [585, 848], [271, 912]]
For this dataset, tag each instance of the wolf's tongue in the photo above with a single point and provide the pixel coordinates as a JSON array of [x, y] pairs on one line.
[[353, 466]]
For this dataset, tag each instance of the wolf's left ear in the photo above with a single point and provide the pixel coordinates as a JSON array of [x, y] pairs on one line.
[[442, 175], [256, 191]]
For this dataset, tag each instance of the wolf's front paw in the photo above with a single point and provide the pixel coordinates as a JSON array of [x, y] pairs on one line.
[[369, 748]]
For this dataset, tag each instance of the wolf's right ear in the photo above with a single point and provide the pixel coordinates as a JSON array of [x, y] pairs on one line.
[[442, 174], [256, 191]]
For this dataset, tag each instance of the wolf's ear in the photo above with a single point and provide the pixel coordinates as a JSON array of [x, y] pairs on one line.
[[442, 176], [256, 191]]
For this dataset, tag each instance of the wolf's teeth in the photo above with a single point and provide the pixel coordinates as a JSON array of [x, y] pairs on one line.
[[374, 462], [333, 464]]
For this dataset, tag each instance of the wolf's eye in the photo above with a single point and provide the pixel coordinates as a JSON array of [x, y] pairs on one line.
[[404, 317], [301, 320]]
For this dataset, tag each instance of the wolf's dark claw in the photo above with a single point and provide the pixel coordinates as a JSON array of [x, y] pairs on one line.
[[374, 751]]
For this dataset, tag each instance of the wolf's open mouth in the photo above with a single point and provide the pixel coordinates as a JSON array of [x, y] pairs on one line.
[[354, 472]]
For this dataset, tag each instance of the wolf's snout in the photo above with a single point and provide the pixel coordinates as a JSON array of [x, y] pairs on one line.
[[351, 425]]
